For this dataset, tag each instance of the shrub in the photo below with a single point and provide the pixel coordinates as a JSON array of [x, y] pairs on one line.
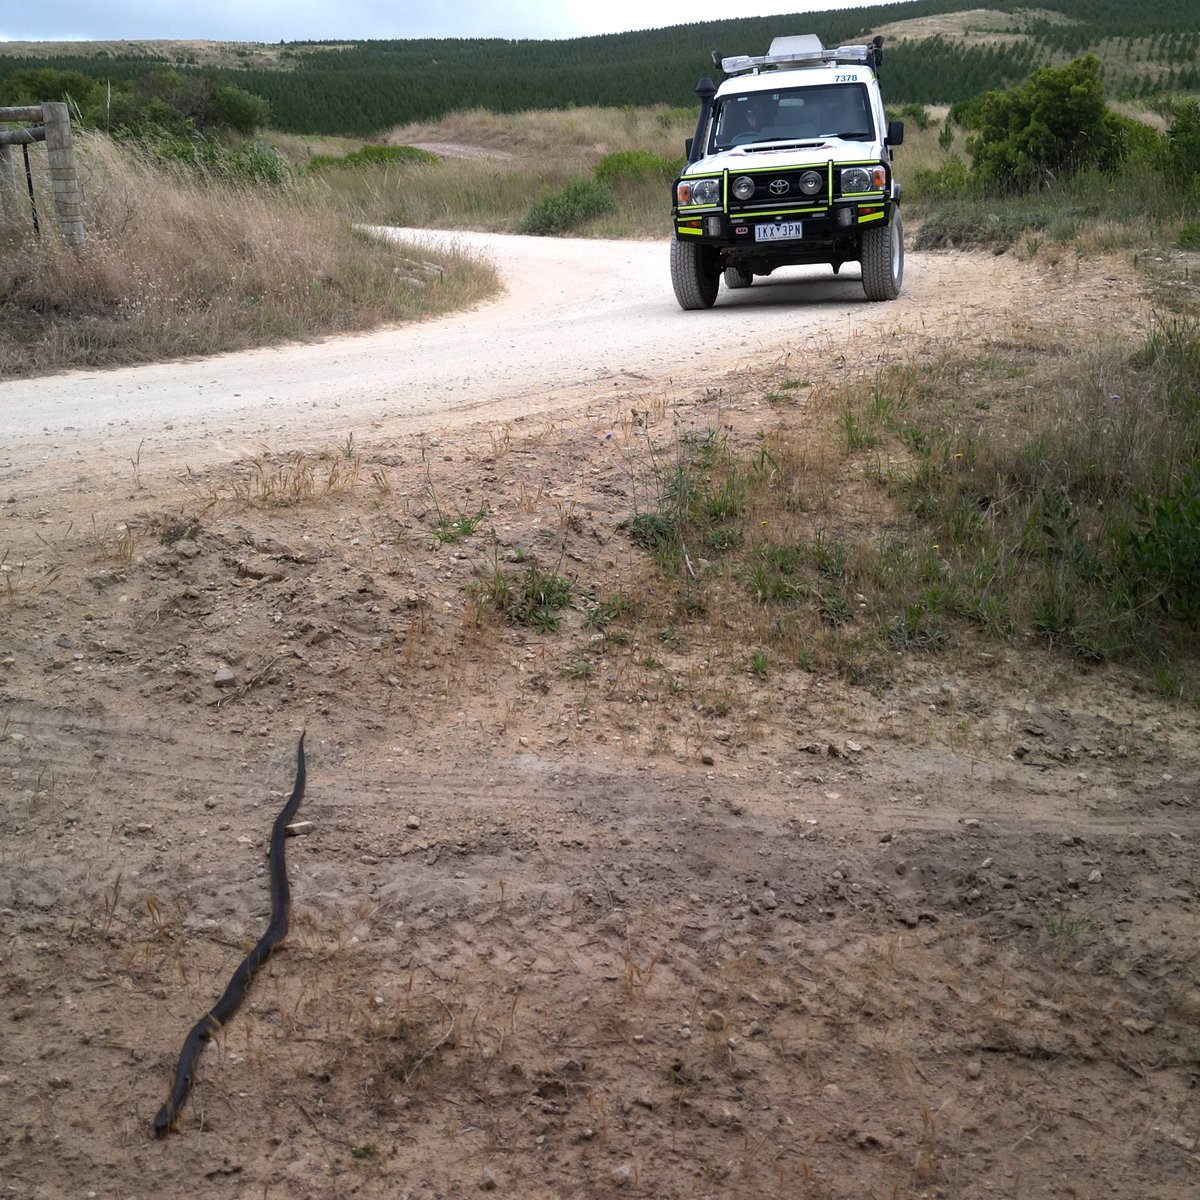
[[568, 208], [1055, 122], [36, 84], [968, 113], [949, 181], [233, 108], [167, 100], [1182, 153]]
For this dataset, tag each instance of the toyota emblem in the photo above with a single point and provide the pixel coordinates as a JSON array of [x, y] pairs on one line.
[[778, 187]]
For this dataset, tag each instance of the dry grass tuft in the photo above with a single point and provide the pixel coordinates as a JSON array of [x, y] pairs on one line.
[[180, 264]]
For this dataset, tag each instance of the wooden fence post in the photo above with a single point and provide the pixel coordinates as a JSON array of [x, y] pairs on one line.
[[10, 205], [64, 177]]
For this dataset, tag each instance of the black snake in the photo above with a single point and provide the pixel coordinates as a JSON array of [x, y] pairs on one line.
[[235, 991]]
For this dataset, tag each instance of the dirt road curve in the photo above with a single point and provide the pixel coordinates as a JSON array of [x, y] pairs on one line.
[[575, 316]]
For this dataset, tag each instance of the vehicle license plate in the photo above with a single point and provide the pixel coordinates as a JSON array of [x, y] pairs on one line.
[[778, 233]]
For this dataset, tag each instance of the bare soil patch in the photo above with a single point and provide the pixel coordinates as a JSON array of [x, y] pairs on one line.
[[593, 910], [462, 150]]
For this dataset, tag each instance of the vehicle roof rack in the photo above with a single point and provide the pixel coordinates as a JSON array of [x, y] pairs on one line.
[[802, 50]]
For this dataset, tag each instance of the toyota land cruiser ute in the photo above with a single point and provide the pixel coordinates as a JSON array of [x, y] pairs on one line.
[[791, 163]]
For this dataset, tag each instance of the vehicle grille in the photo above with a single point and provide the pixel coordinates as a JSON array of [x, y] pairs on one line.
[[780, 189]]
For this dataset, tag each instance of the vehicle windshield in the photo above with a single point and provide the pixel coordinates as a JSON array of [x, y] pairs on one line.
[[794, 114]]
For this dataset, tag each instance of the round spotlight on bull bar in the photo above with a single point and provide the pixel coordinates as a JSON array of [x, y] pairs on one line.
[[743, 187], [811, 182]]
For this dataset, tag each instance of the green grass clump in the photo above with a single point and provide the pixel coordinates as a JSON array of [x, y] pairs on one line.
[[534, 597], [451, 530], [387, 156], [915, 116], [1065, 510], [633, 166], [568, 208], [374, 156], [248, 164], [1080, 527]]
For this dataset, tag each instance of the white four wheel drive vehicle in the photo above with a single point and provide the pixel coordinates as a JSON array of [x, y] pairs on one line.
[[791, 163]]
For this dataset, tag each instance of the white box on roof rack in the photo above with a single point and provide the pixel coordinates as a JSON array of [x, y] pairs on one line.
[[795, 46]]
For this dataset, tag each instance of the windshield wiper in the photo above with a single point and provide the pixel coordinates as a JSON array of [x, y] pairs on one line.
[[855, 135]]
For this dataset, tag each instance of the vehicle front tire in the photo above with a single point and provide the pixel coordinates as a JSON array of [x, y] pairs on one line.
[[695, 274], [735, 277], [883, 259]]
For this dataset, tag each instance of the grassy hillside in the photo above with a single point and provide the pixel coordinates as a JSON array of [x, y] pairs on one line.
[[941, 51]]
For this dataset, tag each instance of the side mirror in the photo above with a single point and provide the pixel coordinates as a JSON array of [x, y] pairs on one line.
[[896, 133], [687, 148]]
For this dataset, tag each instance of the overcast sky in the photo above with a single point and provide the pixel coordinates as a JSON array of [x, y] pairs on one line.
[[302, 20]]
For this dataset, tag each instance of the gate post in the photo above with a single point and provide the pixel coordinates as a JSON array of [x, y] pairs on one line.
[[9, 203], [64, 178]]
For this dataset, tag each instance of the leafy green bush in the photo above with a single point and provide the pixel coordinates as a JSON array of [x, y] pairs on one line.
[[179, 104], [158, 101], [1182, 153], [949, 181], [37, 84], [236, 109], [632, 166], [568, 208], [1054, 123], [968, 113]]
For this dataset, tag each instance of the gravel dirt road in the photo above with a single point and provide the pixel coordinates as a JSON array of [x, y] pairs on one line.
[[576, 318], [591, 911]]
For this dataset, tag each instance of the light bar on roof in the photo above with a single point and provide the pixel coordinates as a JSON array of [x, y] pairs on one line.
[[804, 50]]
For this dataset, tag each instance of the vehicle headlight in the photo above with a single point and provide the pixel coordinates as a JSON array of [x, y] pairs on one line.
[[743, 187], [811, 182], [698, 191], [863, 179]]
